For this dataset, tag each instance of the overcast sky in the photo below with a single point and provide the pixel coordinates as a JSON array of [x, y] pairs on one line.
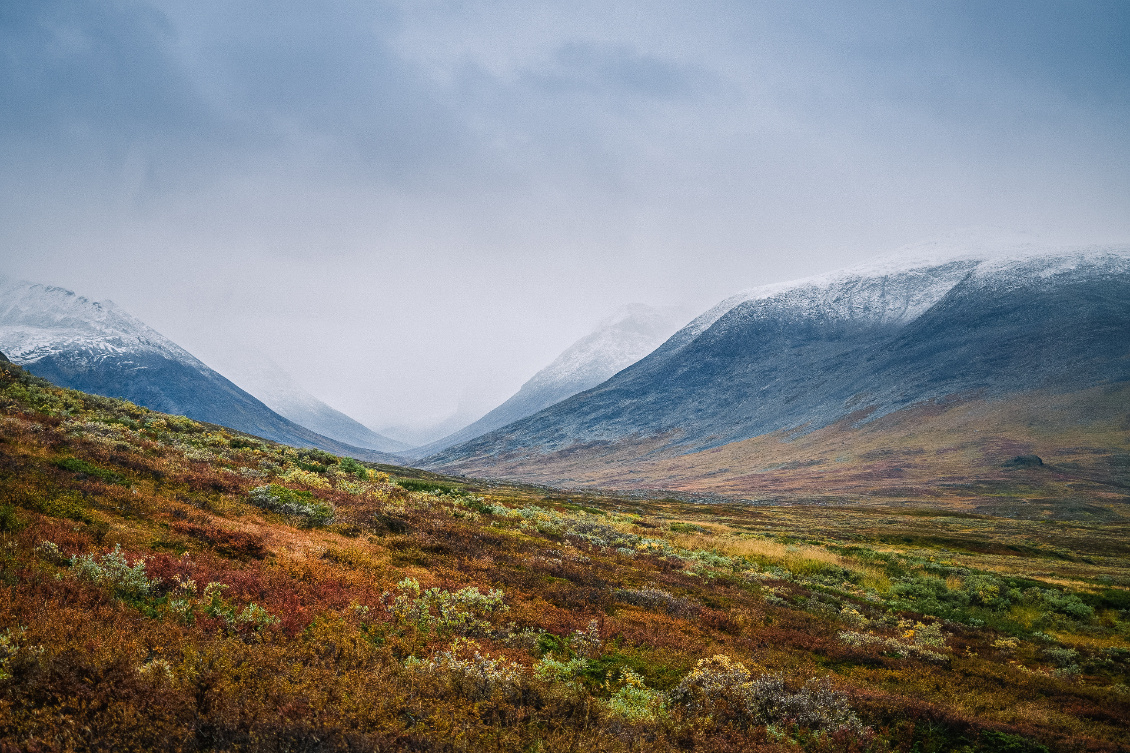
[[416, 205]]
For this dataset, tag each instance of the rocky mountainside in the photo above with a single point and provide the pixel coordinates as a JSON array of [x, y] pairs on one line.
[[616, 343], [97, 347], [858, 344]]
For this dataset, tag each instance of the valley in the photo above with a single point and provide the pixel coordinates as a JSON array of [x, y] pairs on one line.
[[958, 456], [177, 585]]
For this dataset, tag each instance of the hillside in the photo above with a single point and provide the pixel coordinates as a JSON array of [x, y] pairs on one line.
[[843, 350], [169, 585], [268, 381], [615, 344], [97, 347]]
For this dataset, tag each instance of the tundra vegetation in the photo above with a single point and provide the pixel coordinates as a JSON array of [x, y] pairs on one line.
[[166, 584]]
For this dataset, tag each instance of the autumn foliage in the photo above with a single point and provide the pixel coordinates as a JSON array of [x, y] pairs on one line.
[[168, 585]]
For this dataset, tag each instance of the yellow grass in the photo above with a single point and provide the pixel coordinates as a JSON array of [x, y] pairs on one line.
[[797, 558]]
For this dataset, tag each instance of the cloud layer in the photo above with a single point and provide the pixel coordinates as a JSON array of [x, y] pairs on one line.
[[420, 203]]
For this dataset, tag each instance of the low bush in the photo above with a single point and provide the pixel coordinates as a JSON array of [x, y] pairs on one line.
[[114, 571], [723, 690], [657, 600], [82, 467], [299, 504], [473, 674], [463, 612]]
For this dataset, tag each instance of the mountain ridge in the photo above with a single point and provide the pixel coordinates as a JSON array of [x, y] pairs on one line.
[[804, 355], [95, 346], [617, 342]]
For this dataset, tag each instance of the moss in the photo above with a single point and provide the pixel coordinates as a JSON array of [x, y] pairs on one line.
[[84, 468]]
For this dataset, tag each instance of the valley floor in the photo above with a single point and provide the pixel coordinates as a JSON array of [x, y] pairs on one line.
[[170, 585], [970, 455]]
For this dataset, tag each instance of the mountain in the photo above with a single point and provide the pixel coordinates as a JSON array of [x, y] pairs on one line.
[[617, 342], [265, 379], [97, 347], [854, 346]]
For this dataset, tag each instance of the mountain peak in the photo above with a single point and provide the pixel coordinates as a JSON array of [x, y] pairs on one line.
[[97, 347], [618, 341]]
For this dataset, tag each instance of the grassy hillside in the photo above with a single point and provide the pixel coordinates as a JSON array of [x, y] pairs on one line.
[[959, 456], [170, 585]]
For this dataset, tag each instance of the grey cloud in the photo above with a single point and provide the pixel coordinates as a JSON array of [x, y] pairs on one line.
[[616, 70], [457, 189], [324, 75], [74, 70]]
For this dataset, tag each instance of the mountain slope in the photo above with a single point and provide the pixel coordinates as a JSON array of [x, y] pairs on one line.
[[97, 347], [808, 354], [617, 342], [268, 381]]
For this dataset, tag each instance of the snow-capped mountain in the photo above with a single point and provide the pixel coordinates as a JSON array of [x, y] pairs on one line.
[[97, 347], [617, 342], [864, 342], [37, 322], [270, 382]]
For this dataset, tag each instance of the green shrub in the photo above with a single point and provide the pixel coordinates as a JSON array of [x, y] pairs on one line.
[[75, 465], [10, 520], [300, 504], [549, 669], [349, 465], [462, 612], [114, 571], [68, 505], [430, 487], [993, 741], [214, 605], [635, 702]]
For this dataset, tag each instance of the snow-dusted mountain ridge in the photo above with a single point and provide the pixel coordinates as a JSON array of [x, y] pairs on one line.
[[95, 346], [881, 337], [617, 342], [38, 321]]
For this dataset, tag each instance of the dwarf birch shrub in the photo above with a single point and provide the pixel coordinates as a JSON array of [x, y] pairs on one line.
[[114, 570], [916, 639], [300, 504], [11, 651], [464, 612], [473, 674], [724, 690], [635, 702], [306, 478]]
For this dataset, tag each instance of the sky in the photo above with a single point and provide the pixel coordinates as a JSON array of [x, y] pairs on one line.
[[414, 206]]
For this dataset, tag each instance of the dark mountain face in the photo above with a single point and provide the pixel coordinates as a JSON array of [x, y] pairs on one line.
[[172, 386], [96, 347], [806, 356]]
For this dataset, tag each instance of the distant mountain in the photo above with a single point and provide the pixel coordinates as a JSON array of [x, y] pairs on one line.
[[97, 347], [278, 390], [617, 342], [856, 345]]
